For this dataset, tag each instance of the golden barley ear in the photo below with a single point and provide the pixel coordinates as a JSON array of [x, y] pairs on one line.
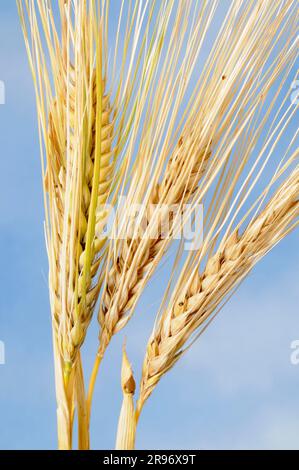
[[196, 300], [87, 287], [138, 259], [76, 123]]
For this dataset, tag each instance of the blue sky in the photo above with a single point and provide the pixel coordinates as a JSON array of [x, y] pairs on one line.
[[236, 388]]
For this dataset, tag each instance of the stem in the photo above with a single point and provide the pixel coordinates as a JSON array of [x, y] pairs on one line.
[[83, 425], [64, 403], [92, 383]]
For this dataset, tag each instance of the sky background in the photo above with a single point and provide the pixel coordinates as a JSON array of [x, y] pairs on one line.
[[235, 389]]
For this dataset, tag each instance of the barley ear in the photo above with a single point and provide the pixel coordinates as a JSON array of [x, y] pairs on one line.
[[125, 439], [224, 271]]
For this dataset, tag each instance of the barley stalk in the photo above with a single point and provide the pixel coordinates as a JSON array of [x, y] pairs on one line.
[[64, 400], [83, 419]]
